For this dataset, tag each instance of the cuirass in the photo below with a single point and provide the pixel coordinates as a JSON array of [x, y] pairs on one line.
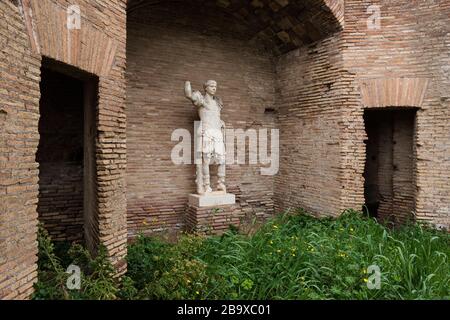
[[210, 115]]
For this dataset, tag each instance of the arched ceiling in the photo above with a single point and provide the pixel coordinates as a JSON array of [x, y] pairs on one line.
[[283, 24]]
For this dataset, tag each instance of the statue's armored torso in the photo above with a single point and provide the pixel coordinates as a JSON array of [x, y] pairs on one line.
[[209, 111], [211, 125]]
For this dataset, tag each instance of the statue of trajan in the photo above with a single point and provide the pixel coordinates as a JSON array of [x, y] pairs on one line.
[[211, 134]]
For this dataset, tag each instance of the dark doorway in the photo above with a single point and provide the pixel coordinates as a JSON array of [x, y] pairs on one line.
[[389, 187], [66, 153]]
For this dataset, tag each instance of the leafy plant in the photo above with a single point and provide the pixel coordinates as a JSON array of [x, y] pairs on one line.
[[97, 273]]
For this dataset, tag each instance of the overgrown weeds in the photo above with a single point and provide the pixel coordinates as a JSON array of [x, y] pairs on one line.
[[293, 256]]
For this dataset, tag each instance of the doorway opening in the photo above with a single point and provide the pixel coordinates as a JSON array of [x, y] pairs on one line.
[[389, 187], [66, 153]]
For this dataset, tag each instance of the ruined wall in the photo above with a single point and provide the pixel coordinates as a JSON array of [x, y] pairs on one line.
[[168, 45], [410, 55], [19, 115], [98, 48], [403, 64], [313, 91]]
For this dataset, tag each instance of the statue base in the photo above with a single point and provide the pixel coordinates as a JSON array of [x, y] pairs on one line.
[[212, 213], [216, 198]]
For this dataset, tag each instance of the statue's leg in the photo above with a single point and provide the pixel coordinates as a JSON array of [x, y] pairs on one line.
[[199, 179], [205, 167], [221, 174]]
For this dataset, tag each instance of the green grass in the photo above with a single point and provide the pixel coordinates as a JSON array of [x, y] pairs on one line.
[[300, 257], [293, 257]]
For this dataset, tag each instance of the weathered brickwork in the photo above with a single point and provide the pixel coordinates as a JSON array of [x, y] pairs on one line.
[[413, 43], [19, 115], [311, 85], [281, 25], [404, 64], [309, 68], [29, 29], [214, 220]]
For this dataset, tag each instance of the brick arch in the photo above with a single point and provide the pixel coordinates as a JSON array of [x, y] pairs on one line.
[[393, 92], [89, 49], [337, 8], [283, 25]]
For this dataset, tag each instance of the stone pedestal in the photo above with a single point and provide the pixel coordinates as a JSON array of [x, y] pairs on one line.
[[212, 213]]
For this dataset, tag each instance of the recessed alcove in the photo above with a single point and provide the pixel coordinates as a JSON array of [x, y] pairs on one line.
[[66, 153], [246, 47]]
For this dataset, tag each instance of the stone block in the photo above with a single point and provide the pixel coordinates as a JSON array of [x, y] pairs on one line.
[[212, 199]]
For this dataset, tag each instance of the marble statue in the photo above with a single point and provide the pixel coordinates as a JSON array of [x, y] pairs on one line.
[[211, 136]]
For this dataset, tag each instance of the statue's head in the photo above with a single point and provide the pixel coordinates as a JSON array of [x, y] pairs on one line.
[[210, 87]]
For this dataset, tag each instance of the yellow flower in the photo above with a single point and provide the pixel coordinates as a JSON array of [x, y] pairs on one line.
[[366, 280], [278, 250], [197, 293], [275, 226], [271, 242], [293, 254], [351, 229], [144, 222]]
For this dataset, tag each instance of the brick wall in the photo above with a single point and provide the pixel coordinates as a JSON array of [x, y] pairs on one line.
[[404, 64], [168, 45], [412, 44], [19, 115], [98, 48], [408, 59], [313, 89]]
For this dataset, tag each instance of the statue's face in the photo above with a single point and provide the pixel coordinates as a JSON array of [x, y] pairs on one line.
[[211, 88]]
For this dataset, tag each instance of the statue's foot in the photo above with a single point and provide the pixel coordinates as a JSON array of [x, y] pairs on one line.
[[221, 187], [200, 190], [208, 189]]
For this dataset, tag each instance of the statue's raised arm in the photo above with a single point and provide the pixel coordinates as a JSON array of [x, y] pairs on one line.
[[188, 90], [196, 97]]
